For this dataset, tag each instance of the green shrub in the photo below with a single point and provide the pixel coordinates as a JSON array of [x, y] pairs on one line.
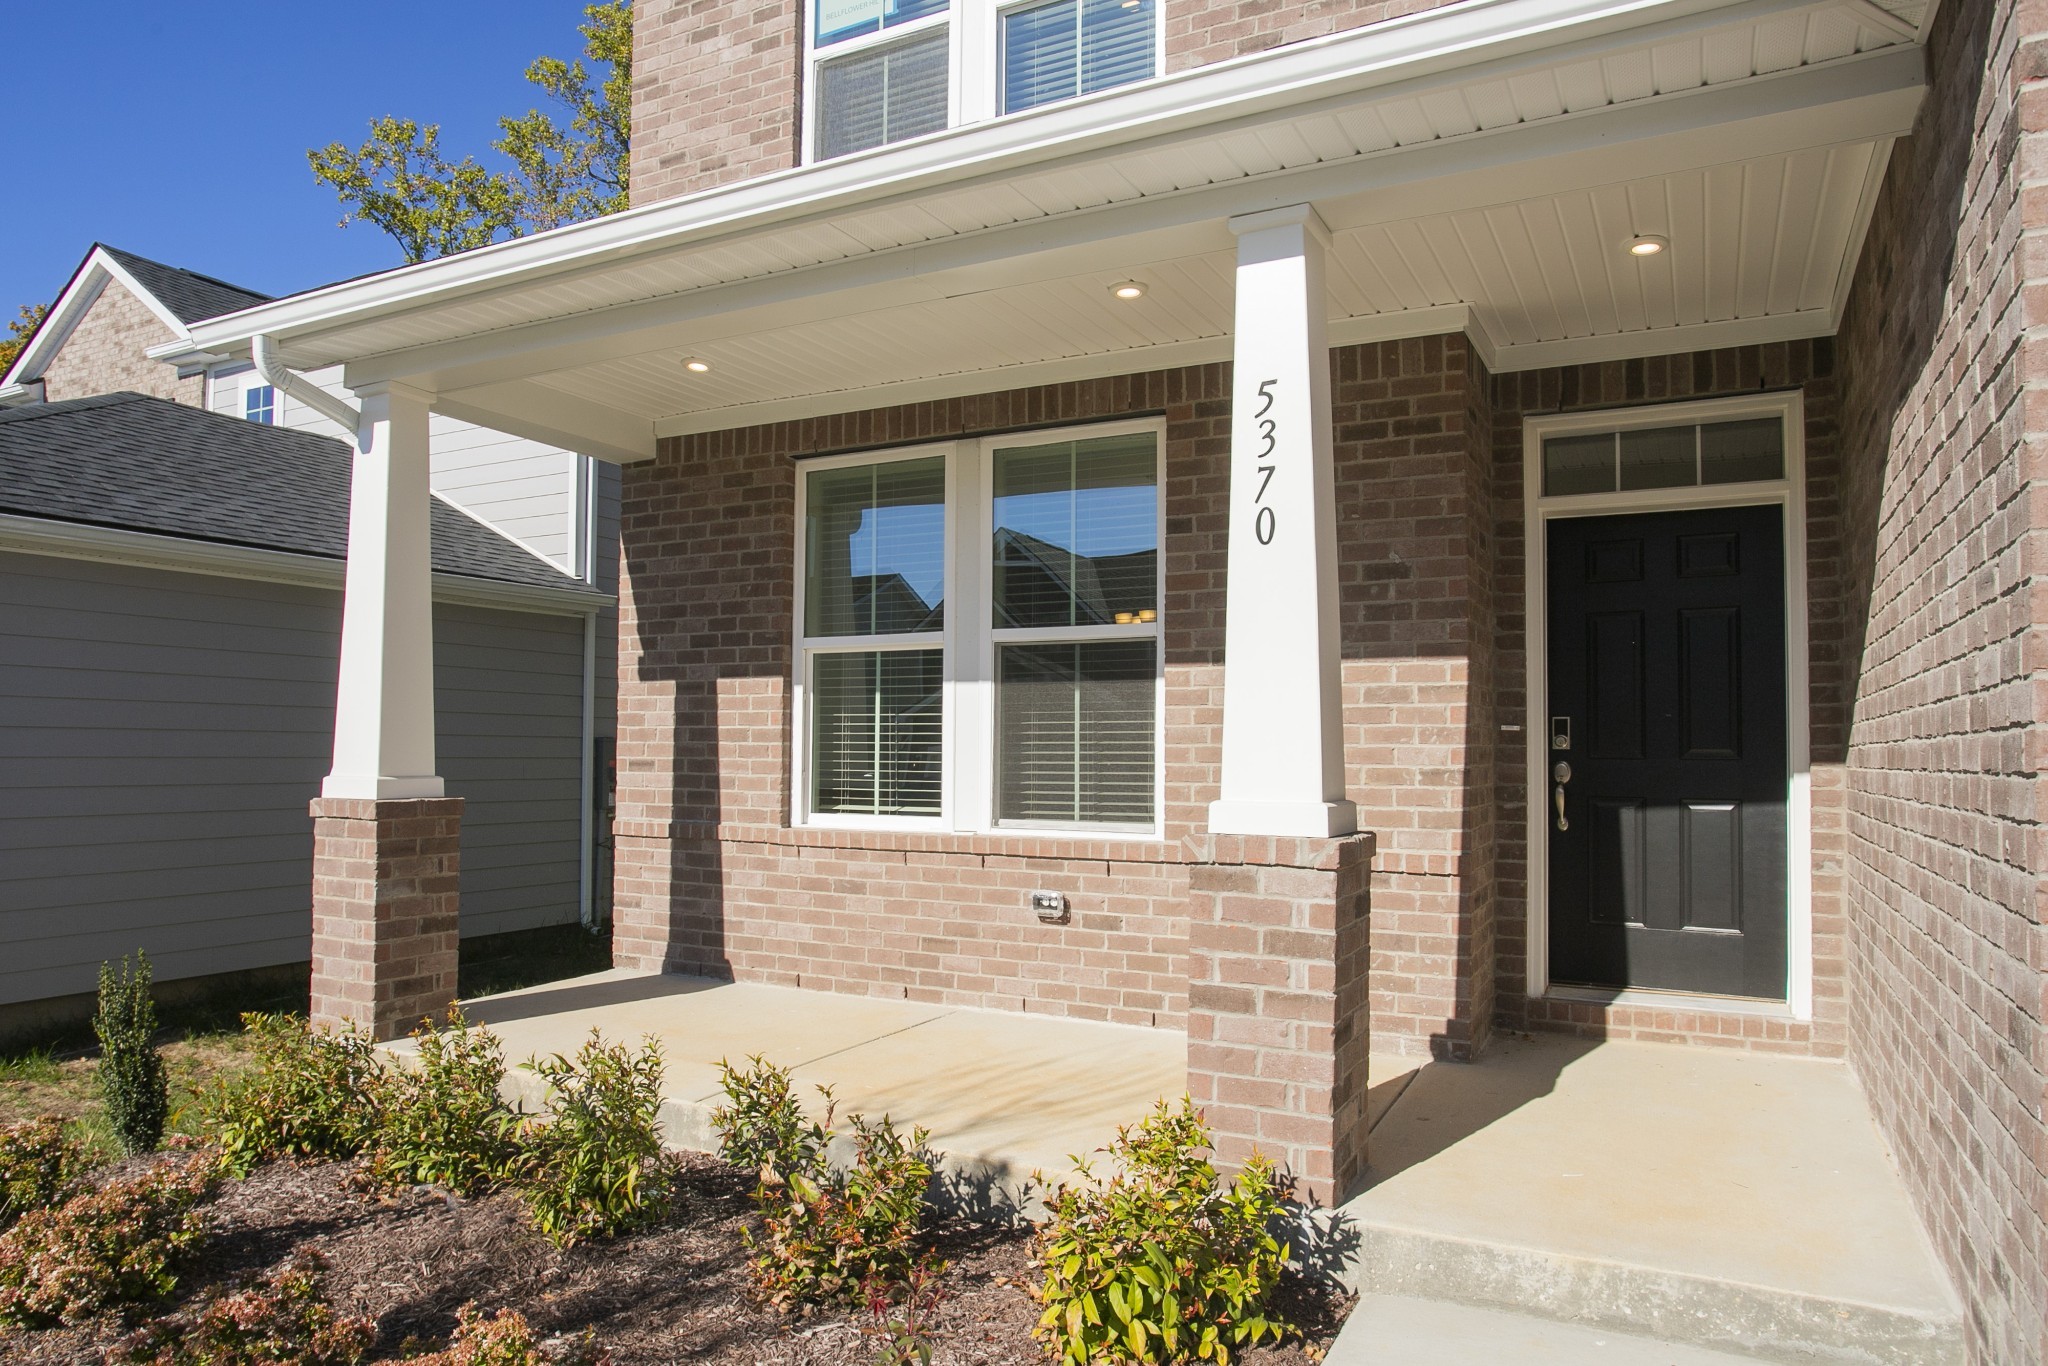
[[122, 1244], [594, 1167], [825, 1236], [283, 1318], [1162, 1262], [505, 1339], [131, 1074], [311, 1094], [39, 1167], [443, 1122], [761, 1124]]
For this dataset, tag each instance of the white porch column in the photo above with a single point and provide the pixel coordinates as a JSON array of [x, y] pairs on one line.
[[1283, 749], [384, 711]]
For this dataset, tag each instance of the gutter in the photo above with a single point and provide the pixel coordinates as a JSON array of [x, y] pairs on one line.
[[263, 354]]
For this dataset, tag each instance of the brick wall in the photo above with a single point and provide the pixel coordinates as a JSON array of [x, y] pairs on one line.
[[711, 880], [1942, 374], [1414, 542], [715, 93], [103, 354], [1808, 366], [1202, 31]]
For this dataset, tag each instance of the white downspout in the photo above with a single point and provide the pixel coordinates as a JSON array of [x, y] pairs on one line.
[[263, 353]]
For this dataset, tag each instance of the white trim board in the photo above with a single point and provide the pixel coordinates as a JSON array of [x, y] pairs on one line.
[[1788, 493], [148, 550]]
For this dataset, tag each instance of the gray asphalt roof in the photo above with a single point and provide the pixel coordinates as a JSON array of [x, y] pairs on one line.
[[147, 464], [187, 293]]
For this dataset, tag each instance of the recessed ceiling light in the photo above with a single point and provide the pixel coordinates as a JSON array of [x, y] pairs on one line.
[[1647, 244], [696, 366], [1128, 289]]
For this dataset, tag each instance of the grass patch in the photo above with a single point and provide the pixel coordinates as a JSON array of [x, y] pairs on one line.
[[41, 1082]]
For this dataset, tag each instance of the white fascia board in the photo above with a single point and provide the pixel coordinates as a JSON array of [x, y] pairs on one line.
[[13, 395], [175, 554], [1665, 341], [1351, 63], [553, 418]]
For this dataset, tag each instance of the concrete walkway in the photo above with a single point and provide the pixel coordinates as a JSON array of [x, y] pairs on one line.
[[1003, 1094], [1389, 1330], [1692, 1195]]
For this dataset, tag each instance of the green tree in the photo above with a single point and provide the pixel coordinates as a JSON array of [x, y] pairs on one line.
[[19, 331], [131, 1073], [560, 173]]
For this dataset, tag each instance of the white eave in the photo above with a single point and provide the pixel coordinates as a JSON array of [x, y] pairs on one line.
[[1400, 127]]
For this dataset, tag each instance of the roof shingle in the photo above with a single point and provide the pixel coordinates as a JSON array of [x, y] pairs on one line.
[[186, 293]]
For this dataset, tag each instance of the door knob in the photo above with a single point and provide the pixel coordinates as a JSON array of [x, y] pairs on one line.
[[1561, 772]]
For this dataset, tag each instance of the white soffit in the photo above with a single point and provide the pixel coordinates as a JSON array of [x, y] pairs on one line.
[[1760, 245]]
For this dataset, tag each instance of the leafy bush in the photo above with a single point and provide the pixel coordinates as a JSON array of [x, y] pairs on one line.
[[761, 1124], [312, 1093], [594, 1167], [131, 1074], [119, 1245], [506, 1339], [283, 1318], [39, 1167], [442, 1120], [825, 1236], [1162, 1262]]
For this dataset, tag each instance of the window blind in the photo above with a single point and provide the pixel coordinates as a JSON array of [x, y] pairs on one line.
[[883, 95], [1075, 47], [876, 731], [1075, 724]]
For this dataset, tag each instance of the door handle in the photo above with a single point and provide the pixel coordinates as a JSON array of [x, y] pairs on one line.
[[1561, 773], [1562, 823]]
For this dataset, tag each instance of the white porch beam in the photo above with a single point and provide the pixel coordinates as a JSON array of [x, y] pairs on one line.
[[1283, 751], [547, 415], [384, 705]]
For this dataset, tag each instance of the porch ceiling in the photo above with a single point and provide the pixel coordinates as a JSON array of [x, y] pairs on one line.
[[1481, 167]]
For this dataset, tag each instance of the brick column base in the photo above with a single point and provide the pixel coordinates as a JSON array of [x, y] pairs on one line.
[[1277, 1009], [386, 888]]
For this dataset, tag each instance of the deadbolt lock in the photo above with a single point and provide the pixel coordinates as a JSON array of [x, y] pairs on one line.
[[1562, 772]]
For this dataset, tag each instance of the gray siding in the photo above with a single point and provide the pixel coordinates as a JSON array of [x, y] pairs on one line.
[[161, 735]]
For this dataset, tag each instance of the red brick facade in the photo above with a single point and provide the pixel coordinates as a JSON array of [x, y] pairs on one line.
[[386, 890], [1944, 431], [1277, 1012]]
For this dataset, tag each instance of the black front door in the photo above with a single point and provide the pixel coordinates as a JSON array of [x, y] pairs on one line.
[[1666, 770]]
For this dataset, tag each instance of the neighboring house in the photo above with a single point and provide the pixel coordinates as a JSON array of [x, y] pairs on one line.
[[553, 511], [170, 611], [1582, 450]]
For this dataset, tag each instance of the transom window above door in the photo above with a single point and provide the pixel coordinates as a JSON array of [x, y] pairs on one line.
[[1688, 455], [883, 71], [979, 635]]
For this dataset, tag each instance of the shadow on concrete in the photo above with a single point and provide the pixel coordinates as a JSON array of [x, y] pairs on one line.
[[1445, 1103], [583, 995]]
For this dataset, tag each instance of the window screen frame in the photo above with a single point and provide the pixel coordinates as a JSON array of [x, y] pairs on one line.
[[969, 640], [974, 60]]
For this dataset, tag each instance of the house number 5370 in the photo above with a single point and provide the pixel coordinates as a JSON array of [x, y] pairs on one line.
[[1263, 520]]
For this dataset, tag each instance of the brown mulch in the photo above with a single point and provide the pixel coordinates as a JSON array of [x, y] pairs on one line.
[[674, 1293]]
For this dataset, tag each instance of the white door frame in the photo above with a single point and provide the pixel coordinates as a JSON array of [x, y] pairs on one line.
[[1788, 493]]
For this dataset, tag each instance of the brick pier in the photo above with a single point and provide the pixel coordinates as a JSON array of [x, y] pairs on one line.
[[385, 895]]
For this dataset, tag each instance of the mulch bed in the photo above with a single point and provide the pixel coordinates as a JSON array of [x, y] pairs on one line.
[[674, 1293]]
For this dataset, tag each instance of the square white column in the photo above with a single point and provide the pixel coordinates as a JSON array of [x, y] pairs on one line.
[[384, 708], [1283, 747]]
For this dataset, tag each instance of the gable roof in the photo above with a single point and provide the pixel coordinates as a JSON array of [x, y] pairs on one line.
[[145, 464], [178, 298], [188, 294]]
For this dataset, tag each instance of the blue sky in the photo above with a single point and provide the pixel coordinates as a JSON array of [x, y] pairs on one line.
[[179, 132]]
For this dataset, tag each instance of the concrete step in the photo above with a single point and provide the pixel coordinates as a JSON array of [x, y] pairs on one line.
[[1392, 1330], [1685, 1195]]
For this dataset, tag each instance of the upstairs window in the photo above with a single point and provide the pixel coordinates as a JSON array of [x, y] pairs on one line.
[[1074, 47], [883, 71], [259, 404]]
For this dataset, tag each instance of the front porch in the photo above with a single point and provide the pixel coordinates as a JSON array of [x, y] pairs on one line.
[[1721, 1201]]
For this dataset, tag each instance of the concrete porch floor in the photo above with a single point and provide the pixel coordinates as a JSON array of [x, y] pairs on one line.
[[1692, 1195]]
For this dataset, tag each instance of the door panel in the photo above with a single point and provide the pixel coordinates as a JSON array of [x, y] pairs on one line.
[[1667, 666]]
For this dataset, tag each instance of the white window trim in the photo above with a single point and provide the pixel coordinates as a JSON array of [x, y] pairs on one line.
[[973, 60], [967, 697], [1788, 493]]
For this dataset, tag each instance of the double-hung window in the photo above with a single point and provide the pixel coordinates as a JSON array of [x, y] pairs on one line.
[[882, 71], [979, 635]]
